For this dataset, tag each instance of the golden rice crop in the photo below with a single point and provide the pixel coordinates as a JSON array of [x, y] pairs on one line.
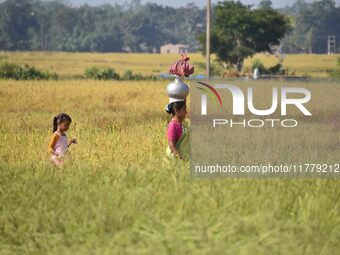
[[74, 64], [118, 194]]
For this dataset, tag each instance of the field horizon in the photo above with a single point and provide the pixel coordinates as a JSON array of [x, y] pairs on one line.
[[70, 65]]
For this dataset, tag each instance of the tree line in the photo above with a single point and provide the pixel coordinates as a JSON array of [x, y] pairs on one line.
[[55, 26], [134, 27], [313, 23]]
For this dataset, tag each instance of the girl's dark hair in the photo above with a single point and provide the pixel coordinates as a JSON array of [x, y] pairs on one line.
[[171, 108], [60, 118]]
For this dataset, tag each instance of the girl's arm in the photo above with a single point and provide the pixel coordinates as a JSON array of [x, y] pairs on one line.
[[174, 149], [52, 143], [71, 142]]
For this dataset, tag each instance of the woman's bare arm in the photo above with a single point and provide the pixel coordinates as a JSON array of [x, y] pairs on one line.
[[174, 149]]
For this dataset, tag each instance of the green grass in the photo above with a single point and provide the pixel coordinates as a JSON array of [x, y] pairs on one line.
[[119, 195]]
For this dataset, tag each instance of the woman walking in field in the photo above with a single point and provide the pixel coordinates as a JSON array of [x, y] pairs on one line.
[[178, 130], [58, 146]]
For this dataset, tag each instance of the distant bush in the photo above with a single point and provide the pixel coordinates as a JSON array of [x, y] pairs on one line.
[[13, 71], [335, 73], [110, 74], [128, 75], [259, 65], [277, 69], [101, 74]]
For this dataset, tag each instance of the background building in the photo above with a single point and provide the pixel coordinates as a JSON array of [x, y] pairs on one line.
[[174, 48]]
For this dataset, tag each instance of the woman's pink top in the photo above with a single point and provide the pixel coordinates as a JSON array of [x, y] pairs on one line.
[[174, 131]]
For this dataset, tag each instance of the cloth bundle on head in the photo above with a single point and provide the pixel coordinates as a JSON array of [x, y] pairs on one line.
[[178, 90], [182, 67]]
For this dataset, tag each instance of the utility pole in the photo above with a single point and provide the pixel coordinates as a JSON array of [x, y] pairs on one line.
[[42, 36], [331, 44], [208, 40]]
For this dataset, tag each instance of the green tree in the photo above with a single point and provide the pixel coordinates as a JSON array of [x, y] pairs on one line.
[[265, 4], [16, 20], [239, 32]]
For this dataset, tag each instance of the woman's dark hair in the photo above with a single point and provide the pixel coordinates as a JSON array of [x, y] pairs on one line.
[[171, 108], [60, 118]]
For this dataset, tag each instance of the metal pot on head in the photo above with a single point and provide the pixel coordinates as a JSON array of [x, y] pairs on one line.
[[177, 90]]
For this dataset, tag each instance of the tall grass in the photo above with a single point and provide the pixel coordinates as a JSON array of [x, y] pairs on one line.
[[119, 194]]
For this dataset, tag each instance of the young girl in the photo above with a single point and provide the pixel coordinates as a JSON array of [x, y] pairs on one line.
[[59, 145], [177, 133]]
